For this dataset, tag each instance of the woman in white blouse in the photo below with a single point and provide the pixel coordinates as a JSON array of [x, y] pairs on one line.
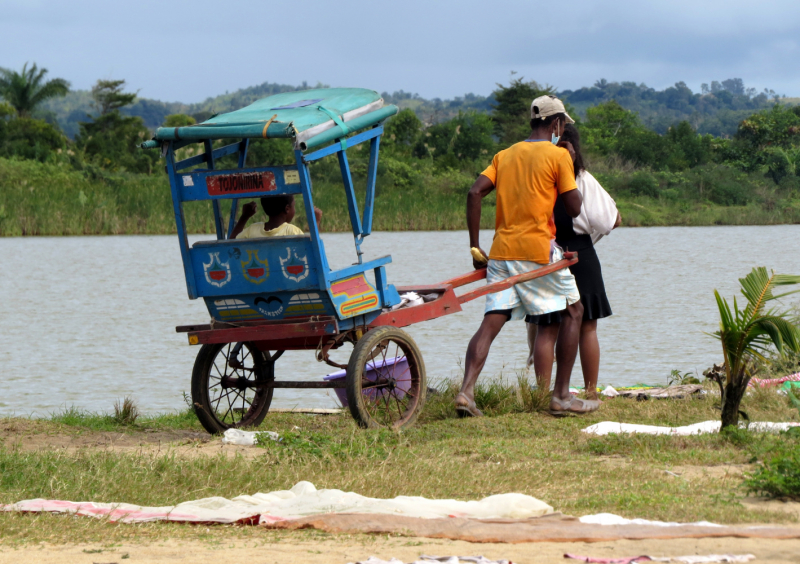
[[598, 217]]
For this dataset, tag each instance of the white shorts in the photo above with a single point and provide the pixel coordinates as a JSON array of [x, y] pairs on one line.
[[553, 292]]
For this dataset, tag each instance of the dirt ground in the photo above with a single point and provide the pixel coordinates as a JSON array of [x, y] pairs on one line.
[[407, 549], [33, 436]]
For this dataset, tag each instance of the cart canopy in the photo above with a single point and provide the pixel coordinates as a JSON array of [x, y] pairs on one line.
[[309, 117]]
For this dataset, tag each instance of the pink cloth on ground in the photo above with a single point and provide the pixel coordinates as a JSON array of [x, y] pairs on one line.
[[626, 560], [763, 382]]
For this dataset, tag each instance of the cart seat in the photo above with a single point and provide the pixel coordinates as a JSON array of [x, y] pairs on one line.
[[235, 242]]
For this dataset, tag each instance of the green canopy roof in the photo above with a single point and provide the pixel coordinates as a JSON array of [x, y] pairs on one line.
[[310, 117]]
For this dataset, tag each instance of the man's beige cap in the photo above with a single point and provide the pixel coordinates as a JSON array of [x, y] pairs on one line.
[[544, 106]]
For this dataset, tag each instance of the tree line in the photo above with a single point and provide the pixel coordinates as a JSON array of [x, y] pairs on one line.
[[759, 162]]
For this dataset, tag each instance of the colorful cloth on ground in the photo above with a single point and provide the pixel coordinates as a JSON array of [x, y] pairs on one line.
[[257, 231], [763, 382], [553, 292], [790, 385], [439, 559], [301, 501], [528, 177], [690, 559]]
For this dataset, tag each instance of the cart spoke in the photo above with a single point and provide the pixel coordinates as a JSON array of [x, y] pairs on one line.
[[228, 398], [397, 404], [219, 399]]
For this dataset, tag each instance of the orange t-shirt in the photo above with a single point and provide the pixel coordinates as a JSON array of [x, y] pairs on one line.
[[528, 176]]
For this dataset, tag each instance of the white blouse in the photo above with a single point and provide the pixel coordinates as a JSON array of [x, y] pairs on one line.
[[598, 212]]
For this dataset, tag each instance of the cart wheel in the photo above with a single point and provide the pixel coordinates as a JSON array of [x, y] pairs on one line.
[[223, 385], [386, 379]]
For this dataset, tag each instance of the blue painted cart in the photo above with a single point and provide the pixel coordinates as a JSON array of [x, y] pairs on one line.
[[269, 295]]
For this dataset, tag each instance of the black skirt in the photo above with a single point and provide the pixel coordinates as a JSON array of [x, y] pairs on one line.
[[589, 278]]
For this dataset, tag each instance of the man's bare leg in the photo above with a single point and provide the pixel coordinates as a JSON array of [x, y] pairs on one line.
[[590, 357], [567, 348], [477, 352], [543, 354]]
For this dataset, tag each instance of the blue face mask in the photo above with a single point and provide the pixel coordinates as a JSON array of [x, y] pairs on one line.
[[554, 138]]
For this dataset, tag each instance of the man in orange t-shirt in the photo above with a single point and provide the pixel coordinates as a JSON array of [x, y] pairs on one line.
[[528, 176]]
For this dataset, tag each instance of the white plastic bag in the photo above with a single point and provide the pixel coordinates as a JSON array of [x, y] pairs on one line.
[[610, 392], [246, 438]]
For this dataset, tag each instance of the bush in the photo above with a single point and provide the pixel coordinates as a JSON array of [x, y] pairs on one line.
[[464, 138], [643, 183], [727, 187], [30, 139], [779, 164], [778, 476], [268, 152], [112, 141], [402, 132], [179, 120], [645, 148], [397, 173]]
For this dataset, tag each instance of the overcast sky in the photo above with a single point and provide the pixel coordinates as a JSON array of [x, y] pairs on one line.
[[174, 50]]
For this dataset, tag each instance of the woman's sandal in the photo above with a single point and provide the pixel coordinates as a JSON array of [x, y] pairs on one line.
[[572, 406], [466, 408]]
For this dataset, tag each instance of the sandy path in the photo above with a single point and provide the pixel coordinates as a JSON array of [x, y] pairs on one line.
[[342, 551], [29, 436]]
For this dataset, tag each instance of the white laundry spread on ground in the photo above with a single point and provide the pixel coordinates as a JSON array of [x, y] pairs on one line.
[[609, 427], [302, 500], [611, 519]]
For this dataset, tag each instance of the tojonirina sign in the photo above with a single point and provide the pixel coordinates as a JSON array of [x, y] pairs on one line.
[[225, 184]]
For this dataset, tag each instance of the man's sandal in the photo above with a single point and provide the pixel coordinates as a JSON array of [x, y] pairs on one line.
[[466, 408], [572, 406]]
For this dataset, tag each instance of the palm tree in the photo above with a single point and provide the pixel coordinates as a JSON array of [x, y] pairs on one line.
[[747, 334], [26, 90]]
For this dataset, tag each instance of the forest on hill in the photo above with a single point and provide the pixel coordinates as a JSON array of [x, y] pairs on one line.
[[661, 161], [717, 109]]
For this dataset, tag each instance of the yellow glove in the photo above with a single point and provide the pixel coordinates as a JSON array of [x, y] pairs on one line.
[[478, 255]]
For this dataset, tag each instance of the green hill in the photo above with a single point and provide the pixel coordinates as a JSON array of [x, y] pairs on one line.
[[74, 108], [717, 109]]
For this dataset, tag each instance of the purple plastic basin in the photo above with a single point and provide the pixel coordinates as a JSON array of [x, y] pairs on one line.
[[396, 368]]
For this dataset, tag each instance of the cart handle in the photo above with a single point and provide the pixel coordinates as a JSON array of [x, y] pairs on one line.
[[569, 259], [465, 279]]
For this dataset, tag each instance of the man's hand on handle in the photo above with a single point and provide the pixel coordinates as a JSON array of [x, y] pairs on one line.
[[479, 258]]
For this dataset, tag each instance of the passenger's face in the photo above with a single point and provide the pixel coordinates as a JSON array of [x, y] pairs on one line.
[[290, 211]]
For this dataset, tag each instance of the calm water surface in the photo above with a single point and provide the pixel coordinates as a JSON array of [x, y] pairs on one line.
[[88, 320]]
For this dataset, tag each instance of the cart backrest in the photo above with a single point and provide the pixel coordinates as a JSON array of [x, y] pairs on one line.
[[254, 266]]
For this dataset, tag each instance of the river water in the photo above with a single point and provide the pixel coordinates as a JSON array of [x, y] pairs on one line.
[[89, 320]]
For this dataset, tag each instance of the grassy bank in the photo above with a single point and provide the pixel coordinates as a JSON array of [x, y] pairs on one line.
[[165, 460], [52, 199]]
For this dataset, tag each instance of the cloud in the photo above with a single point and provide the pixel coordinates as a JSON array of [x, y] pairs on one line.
[[188, 51]]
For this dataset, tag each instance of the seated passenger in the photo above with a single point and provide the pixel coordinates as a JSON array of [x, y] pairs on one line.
[[280, 211]]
